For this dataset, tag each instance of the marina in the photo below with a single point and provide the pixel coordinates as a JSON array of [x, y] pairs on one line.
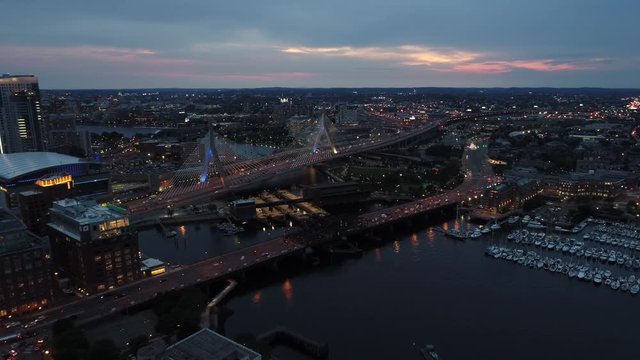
[[533, 260], [573, 258], [575, 249], [417, 270]]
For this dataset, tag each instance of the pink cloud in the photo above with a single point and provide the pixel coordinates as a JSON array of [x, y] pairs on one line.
[[405, 54], [499, 67], [266, 76], [546, 65], [443, 59], [103, 54], [480, 68]]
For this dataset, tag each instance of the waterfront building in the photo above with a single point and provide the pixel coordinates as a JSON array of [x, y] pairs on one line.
[[20, 118], [509, 194], [605, 184], [153, 267], [27, 282], [93, 244], [244, 209]]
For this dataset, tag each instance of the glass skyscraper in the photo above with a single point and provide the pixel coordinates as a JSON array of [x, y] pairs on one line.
[[20, 116]]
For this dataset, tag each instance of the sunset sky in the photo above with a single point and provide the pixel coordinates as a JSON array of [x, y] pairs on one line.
[[330, 43]]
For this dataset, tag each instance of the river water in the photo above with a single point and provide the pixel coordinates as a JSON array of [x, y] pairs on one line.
[[425, 288], [197, 242], [125, 131]]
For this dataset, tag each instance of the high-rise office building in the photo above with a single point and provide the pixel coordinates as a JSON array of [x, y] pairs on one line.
[[20, 118], [349, 114], [64, 138]]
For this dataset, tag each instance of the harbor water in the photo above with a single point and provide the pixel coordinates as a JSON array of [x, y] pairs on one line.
[[426, 288]]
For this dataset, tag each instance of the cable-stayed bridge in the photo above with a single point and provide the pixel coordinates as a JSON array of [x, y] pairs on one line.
[[215, 168]]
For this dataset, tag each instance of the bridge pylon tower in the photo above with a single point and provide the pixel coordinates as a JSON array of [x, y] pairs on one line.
[[323, 137], [212, 165]]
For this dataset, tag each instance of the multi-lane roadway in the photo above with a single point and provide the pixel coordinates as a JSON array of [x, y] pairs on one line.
[[478, 175]]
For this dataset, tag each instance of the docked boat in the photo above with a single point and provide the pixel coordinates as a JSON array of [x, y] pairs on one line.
[[429, 353], [624, 286], [615, 285], [456, 234], [513, 219], [229, 229], [526, 219], [535, 224], [485, 230]]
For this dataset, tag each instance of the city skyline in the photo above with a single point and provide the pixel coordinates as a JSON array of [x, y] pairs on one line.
[[361, 44]]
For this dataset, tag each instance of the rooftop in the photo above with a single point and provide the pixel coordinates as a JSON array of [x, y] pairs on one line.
[[8, 79], [72, 217], [14, 235], [9, 222], [18, 164], [151, 263], [87, 211], [209, 345]]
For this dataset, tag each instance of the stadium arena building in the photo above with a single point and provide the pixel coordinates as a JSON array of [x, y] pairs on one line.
[[26, 171]]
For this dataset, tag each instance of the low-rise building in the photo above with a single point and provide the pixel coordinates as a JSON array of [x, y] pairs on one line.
[[26, 278], [153, 267], [598, 184], [510, 194]]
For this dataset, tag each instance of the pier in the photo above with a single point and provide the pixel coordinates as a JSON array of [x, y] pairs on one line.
[[292, 339], [166, 232], [205, 319]]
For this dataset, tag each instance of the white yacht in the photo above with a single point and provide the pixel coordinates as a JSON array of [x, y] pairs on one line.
[[535, 224]]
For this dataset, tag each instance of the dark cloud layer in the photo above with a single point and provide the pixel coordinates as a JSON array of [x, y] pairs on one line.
[[144, 43]]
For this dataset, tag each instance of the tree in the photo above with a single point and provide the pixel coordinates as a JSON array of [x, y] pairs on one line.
[[136, 343], [69, 342], [533, 203], [103, 350], [180, 311], [584, 210]]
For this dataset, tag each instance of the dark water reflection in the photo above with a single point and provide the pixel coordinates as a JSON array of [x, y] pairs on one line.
[[425, 287]]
